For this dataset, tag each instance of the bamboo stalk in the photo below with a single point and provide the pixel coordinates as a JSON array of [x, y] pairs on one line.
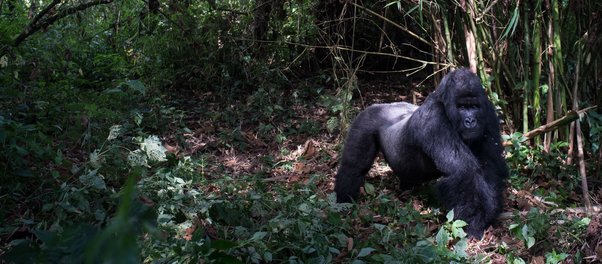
[[438, 46], [526, 72], [561, 97], [448, 39], [537, 67], [551, 78]]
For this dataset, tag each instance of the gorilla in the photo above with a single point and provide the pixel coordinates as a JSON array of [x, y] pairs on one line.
[[454, 134]]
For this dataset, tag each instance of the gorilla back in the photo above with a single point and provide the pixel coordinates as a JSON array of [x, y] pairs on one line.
[[455, 135]]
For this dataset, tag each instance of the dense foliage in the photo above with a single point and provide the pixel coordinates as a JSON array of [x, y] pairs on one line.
[[208, 131]]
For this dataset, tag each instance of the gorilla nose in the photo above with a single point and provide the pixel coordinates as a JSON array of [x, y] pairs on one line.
[[470, 122]]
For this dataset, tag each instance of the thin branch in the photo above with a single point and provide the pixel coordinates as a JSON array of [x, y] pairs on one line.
[[347, 48], [44, 12], [38, 22], [486, 10], [404, 29], [575, 210], [582, 171], [566, 119], [581, 159]]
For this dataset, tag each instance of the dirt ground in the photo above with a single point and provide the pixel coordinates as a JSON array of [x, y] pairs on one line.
[[307, 153]]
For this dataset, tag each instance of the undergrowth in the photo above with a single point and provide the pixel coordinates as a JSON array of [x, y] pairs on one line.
[[130, 198]]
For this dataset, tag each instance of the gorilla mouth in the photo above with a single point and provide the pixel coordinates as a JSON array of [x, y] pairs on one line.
[[468, 136]]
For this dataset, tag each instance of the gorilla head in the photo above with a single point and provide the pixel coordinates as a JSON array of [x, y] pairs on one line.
[[455, 135], [465, 104]]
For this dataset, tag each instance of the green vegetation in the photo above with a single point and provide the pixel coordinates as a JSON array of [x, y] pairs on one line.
[[208, 131]]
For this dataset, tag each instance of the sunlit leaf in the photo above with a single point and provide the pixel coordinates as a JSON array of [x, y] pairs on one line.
[[450, 216], [460, 248], [365, 252], [154, 148], [442, 237]]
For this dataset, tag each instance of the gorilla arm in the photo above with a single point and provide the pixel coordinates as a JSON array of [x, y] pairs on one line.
[[464, 187]]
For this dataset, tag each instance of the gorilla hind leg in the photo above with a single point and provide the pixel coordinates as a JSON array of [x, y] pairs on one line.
[[358, 156]]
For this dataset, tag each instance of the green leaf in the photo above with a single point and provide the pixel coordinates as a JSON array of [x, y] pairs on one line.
[[450, 216], [138, 118], [369, 188], [93, 179], [530, 242], [137, 158], [442, 237], [555, 258], [365, 252], [583, 222], [332, 124], [460, 248], [459, 223], [457, 230], [267, 256], [95, 159], [258, 236], [518, 260], [114, 132], [154, 148], [136, 85], [511, 27], [305, 208]]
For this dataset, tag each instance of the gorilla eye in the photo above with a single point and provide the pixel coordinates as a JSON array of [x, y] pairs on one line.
[[467, 106]]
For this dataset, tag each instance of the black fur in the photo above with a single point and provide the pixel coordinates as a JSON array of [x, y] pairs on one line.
[[454, 134]]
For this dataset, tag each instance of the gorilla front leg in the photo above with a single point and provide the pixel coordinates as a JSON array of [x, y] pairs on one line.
[[473, 200]]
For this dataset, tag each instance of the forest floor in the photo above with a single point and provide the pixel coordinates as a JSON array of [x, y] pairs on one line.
[[316, 153]]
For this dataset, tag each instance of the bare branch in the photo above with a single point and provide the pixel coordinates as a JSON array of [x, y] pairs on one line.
[[566, 119], [576, 210], [39, 22], [44, 12]]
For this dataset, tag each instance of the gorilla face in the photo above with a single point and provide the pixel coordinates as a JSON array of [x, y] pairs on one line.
[[468, 115]]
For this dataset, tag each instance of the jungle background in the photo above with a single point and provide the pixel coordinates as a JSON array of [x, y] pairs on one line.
[[203, 131]]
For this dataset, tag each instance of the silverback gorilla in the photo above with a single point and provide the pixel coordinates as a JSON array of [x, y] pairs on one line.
[[454, 134]]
